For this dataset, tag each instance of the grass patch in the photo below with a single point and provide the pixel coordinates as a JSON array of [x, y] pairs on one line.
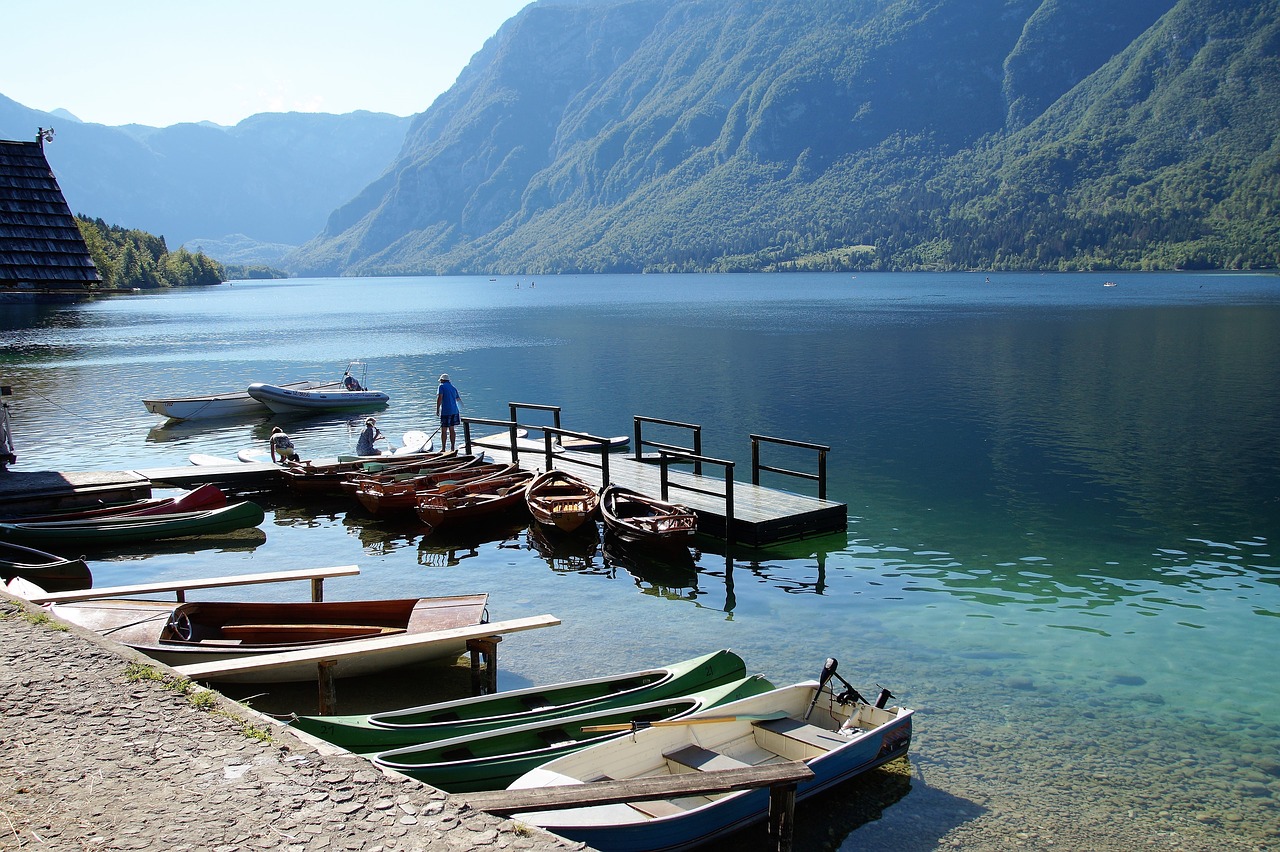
[[203, 700], [39, 619]]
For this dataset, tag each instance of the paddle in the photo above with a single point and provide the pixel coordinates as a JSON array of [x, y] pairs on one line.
[[705, 720], [828, 669]]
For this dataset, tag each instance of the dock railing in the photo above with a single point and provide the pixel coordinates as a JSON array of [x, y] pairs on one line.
[[820, 477], [668, 457], [695, 450], [551, 438]]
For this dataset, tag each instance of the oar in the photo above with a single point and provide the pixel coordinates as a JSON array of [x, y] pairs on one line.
[[828, 669], [705, 720]]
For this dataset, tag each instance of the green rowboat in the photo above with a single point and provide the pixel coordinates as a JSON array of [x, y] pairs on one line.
[[491, 760], [126, 530], [367, 734]]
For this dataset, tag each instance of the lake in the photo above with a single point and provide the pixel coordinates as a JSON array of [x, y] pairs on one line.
[[1064, 504]]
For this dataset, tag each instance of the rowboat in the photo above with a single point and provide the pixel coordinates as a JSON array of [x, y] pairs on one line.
[[284, 400], [490, 760], [204, 497], [229, 404], [324, 478], [385, 494], [617, 442], [837, 735], [207, 632], [639, 519], [431, 722], [51, 573], [123, 530], [470, 501], [561, 500]]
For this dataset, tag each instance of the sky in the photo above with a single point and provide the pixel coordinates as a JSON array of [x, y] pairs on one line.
[[162, 62]]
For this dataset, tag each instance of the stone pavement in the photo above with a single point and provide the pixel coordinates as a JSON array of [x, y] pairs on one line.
[[101, 749]]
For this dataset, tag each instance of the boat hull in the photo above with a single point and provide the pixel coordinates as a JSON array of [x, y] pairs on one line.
[[418, 725], [51, 573], [214, 406], [646, 521], [283, 400], [882, 735], [129, 529], [492, 759], [222, 631], [561, 500]]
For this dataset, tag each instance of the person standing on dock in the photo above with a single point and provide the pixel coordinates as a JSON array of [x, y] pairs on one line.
[[282, 446], [370, 433], [448, 405]]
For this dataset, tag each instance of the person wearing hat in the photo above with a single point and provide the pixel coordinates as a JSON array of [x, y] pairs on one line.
[[370, 433], [448, 405]]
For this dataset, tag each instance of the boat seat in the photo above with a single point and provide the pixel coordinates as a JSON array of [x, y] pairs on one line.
[[556, 737], [657, 808], [535, 702], [702, 759], [272, 633], [802, 732]]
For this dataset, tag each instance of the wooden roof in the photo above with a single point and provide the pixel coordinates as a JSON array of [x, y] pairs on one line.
[[40, 245]]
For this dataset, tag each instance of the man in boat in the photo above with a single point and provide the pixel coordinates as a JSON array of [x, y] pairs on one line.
[[370, 433], [350, 382], [282, 446], [448, 404]]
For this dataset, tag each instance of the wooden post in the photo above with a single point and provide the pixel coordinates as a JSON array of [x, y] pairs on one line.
[[328, 697], [485, 648], [317, 589], [182, 595], [782, 815]]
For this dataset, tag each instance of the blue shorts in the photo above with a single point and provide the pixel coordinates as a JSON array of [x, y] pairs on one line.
[[450, 419]]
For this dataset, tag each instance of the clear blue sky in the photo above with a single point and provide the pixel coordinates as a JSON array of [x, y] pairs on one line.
[[160, 63]]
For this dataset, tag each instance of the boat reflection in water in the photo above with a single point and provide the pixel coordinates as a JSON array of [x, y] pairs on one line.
[[449, 546], [568, 553], [671, 573]]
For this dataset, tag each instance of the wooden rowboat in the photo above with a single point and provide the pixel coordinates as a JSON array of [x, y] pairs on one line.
[[204, 497], [639, 519], [385, 495], [490, 760], [207, 632], [419, 725], [842, 737], [127, 529], [470, 501], [324, 478], [51, 573], [561, 500]]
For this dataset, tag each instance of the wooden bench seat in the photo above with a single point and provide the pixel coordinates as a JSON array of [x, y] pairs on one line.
[[802, 732], [703, 759], [303, 632]]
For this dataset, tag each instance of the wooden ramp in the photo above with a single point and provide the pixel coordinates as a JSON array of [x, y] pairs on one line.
[[761, 515]]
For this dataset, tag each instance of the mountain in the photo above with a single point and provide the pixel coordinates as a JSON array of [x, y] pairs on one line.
[[273, 177], [683, 135]]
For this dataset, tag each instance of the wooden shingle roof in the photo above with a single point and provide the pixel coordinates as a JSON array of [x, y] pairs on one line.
[[40, 245]]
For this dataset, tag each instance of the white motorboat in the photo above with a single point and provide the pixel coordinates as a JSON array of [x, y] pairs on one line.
[[229, 404]]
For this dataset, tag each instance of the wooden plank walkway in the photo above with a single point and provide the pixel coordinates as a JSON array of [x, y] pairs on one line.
[[761, 515]]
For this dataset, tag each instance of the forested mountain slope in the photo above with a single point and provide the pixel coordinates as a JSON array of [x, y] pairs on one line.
[[834, 134]]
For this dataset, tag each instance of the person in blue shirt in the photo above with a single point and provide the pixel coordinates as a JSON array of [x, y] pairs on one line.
[[448, 403], [370, 433]]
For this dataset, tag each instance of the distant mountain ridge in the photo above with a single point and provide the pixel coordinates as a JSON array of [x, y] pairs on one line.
[[825, 134], [274, 177]]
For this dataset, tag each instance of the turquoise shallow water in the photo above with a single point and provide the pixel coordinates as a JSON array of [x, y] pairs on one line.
[[1063, 501]]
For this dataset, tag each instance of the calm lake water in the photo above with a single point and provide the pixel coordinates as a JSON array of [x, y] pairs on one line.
[[1064, 503]]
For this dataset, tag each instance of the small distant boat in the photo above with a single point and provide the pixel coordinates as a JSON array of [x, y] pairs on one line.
[[470, 501], [490, 760], [128, 529], [51, 573], [204, 497], [283, 400], [617, 442], [639, 519], [210, 631], [229, 404], [428, 723], [561, 500], [1108, 284], [838, 736]]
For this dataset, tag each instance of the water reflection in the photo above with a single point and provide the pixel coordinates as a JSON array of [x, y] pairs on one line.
[[575, 552]]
